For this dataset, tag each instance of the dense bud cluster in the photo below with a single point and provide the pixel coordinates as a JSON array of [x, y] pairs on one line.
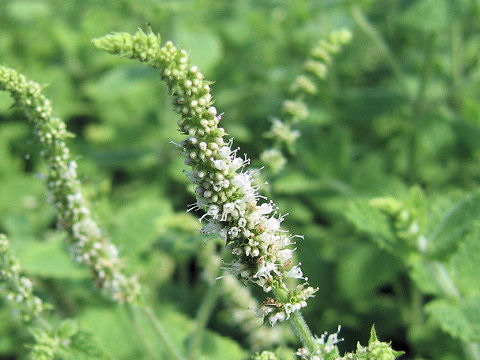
[[86, 241], [14, 287], [226, 192], [375, 350]]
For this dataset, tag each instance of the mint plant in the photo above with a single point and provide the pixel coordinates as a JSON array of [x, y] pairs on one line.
[[229, 197], [440, 252], [396, 113], [87, 243]]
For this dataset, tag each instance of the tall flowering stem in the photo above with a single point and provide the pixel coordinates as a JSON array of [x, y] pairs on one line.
[[296, 109], [87, 243], [225, 190]]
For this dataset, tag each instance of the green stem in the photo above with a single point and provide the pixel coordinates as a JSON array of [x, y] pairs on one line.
[[301, 329], [161, 334], [472, 350], [205, 311], [140, 332], [369, 29], [203, 315], [440, 274], [450, 290], [299, 325], [419, 109]]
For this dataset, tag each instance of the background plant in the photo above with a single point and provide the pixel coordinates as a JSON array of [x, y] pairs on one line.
[[399, 107]]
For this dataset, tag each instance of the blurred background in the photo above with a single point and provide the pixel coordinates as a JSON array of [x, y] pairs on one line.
[[400, 106]]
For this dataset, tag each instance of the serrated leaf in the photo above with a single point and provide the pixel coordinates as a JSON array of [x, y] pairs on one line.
[[460, 320], [370, 220], [423, 278], [454, 225], [465, 265]]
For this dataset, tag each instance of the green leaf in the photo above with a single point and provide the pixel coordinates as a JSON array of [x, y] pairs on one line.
[[424, 279], [465, 265], [204, 46], [461, 320], [26, 10], [115, 331], [295, 183], [373, 335], [132, 235], [365, 268], [48, 258], [371, 221], [428, 15], [452, 228]]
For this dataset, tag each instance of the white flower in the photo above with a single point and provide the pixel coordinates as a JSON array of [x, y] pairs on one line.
[[295, 272], [285, 255]]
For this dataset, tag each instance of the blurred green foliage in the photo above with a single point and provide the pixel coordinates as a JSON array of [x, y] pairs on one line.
[[400, 107]]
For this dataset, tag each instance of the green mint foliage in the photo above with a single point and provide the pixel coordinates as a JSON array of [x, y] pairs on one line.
[[441, 252], [465, 263], [371, 132], [66, 342], [375, 350], [452, 228], [87, 243], [461, 318]]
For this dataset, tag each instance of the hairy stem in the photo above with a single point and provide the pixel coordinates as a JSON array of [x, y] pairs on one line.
[[140, 332], [299, 326], [204, 312], [203, 315], [162, 335], [303, 332]]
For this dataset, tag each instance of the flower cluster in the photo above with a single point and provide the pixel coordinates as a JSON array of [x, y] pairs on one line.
[[239, 303], [279, 311], [86, 241], [16, 288], [296, 110], [226, 192], [327, 348]]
